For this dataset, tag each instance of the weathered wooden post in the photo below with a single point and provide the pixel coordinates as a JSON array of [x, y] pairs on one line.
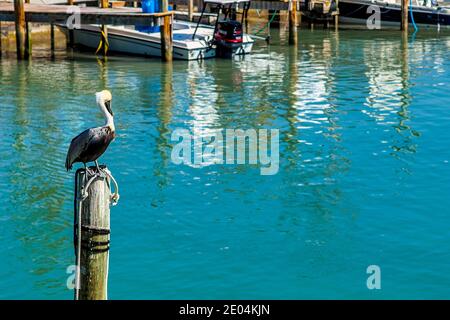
[[166, 33], [336, 16], [92, 234], [404, 22], [293, 22], [190, 9], [52, 39], [70, 33], [0, 39], [20, 29], [28, 43]]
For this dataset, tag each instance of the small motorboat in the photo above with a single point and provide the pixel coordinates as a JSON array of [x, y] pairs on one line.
[[229, 37], [425, 13], [191, 41]]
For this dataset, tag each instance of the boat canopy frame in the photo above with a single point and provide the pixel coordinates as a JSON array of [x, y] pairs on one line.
[[227, 6]]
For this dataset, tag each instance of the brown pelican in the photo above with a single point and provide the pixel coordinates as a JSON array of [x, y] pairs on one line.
[[92, 143]]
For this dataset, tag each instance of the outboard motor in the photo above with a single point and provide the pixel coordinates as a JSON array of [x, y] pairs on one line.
[[228, 38]]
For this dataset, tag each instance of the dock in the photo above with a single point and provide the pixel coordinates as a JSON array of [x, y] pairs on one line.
[[106, 13], [23, 13], [88, 15]]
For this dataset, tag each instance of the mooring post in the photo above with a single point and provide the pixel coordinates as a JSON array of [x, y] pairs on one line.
[[70, 35], [293, 22], [190, 9], [336, 16], [92, 222], [166, 33], [0, 39], [404, 22], [52, 39], [20, 29], [28, 43]]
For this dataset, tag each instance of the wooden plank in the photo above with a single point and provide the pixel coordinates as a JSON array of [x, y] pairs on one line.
[[88, 15]]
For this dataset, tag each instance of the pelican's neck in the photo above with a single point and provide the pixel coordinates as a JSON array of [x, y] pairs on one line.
[[109, 119]]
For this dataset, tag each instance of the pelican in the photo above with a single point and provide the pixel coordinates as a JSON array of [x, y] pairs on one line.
[[89, 145]]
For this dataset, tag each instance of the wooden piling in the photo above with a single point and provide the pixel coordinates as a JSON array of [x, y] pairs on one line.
[[166, 33], [293, 22], [0, 39], [28, 43], [94, 228], [404, 21], [52, 40], [20, 29], [191, 9], [336, 16]]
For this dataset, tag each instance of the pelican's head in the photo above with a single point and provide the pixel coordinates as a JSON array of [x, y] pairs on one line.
[[104, 101]]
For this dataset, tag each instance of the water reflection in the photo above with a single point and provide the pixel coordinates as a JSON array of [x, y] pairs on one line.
[[37, 192], [389, 91]]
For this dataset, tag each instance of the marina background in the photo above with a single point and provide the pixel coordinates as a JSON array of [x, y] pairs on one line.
[[363, 180]]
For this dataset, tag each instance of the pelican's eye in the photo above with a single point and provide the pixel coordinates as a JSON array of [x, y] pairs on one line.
[[108, 107]]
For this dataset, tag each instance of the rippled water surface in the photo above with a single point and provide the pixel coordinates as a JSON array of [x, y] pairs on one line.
[[364, 122]]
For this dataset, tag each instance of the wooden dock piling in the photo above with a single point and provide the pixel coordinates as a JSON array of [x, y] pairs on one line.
[[404, 22], [28, 43], [52, 39], [293, 22], [336, 16], [0, 39], [190, 9], [94, 229], [166, 33], [20, 29]]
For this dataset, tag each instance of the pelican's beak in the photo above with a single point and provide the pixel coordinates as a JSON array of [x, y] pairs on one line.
[[108, 107]]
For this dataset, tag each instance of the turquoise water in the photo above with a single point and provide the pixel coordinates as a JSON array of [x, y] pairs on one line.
[[364, 175]]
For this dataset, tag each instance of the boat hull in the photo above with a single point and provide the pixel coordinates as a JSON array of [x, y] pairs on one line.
[[133, 42], [357, 12]]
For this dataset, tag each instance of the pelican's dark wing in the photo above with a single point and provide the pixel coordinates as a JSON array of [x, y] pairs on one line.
[[78, 145]]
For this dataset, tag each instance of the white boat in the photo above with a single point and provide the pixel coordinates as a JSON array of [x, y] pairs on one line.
[[191, 41]]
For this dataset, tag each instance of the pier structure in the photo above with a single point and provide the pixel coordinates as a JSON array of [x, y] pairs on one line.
[[21, 13], [115, 12]]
